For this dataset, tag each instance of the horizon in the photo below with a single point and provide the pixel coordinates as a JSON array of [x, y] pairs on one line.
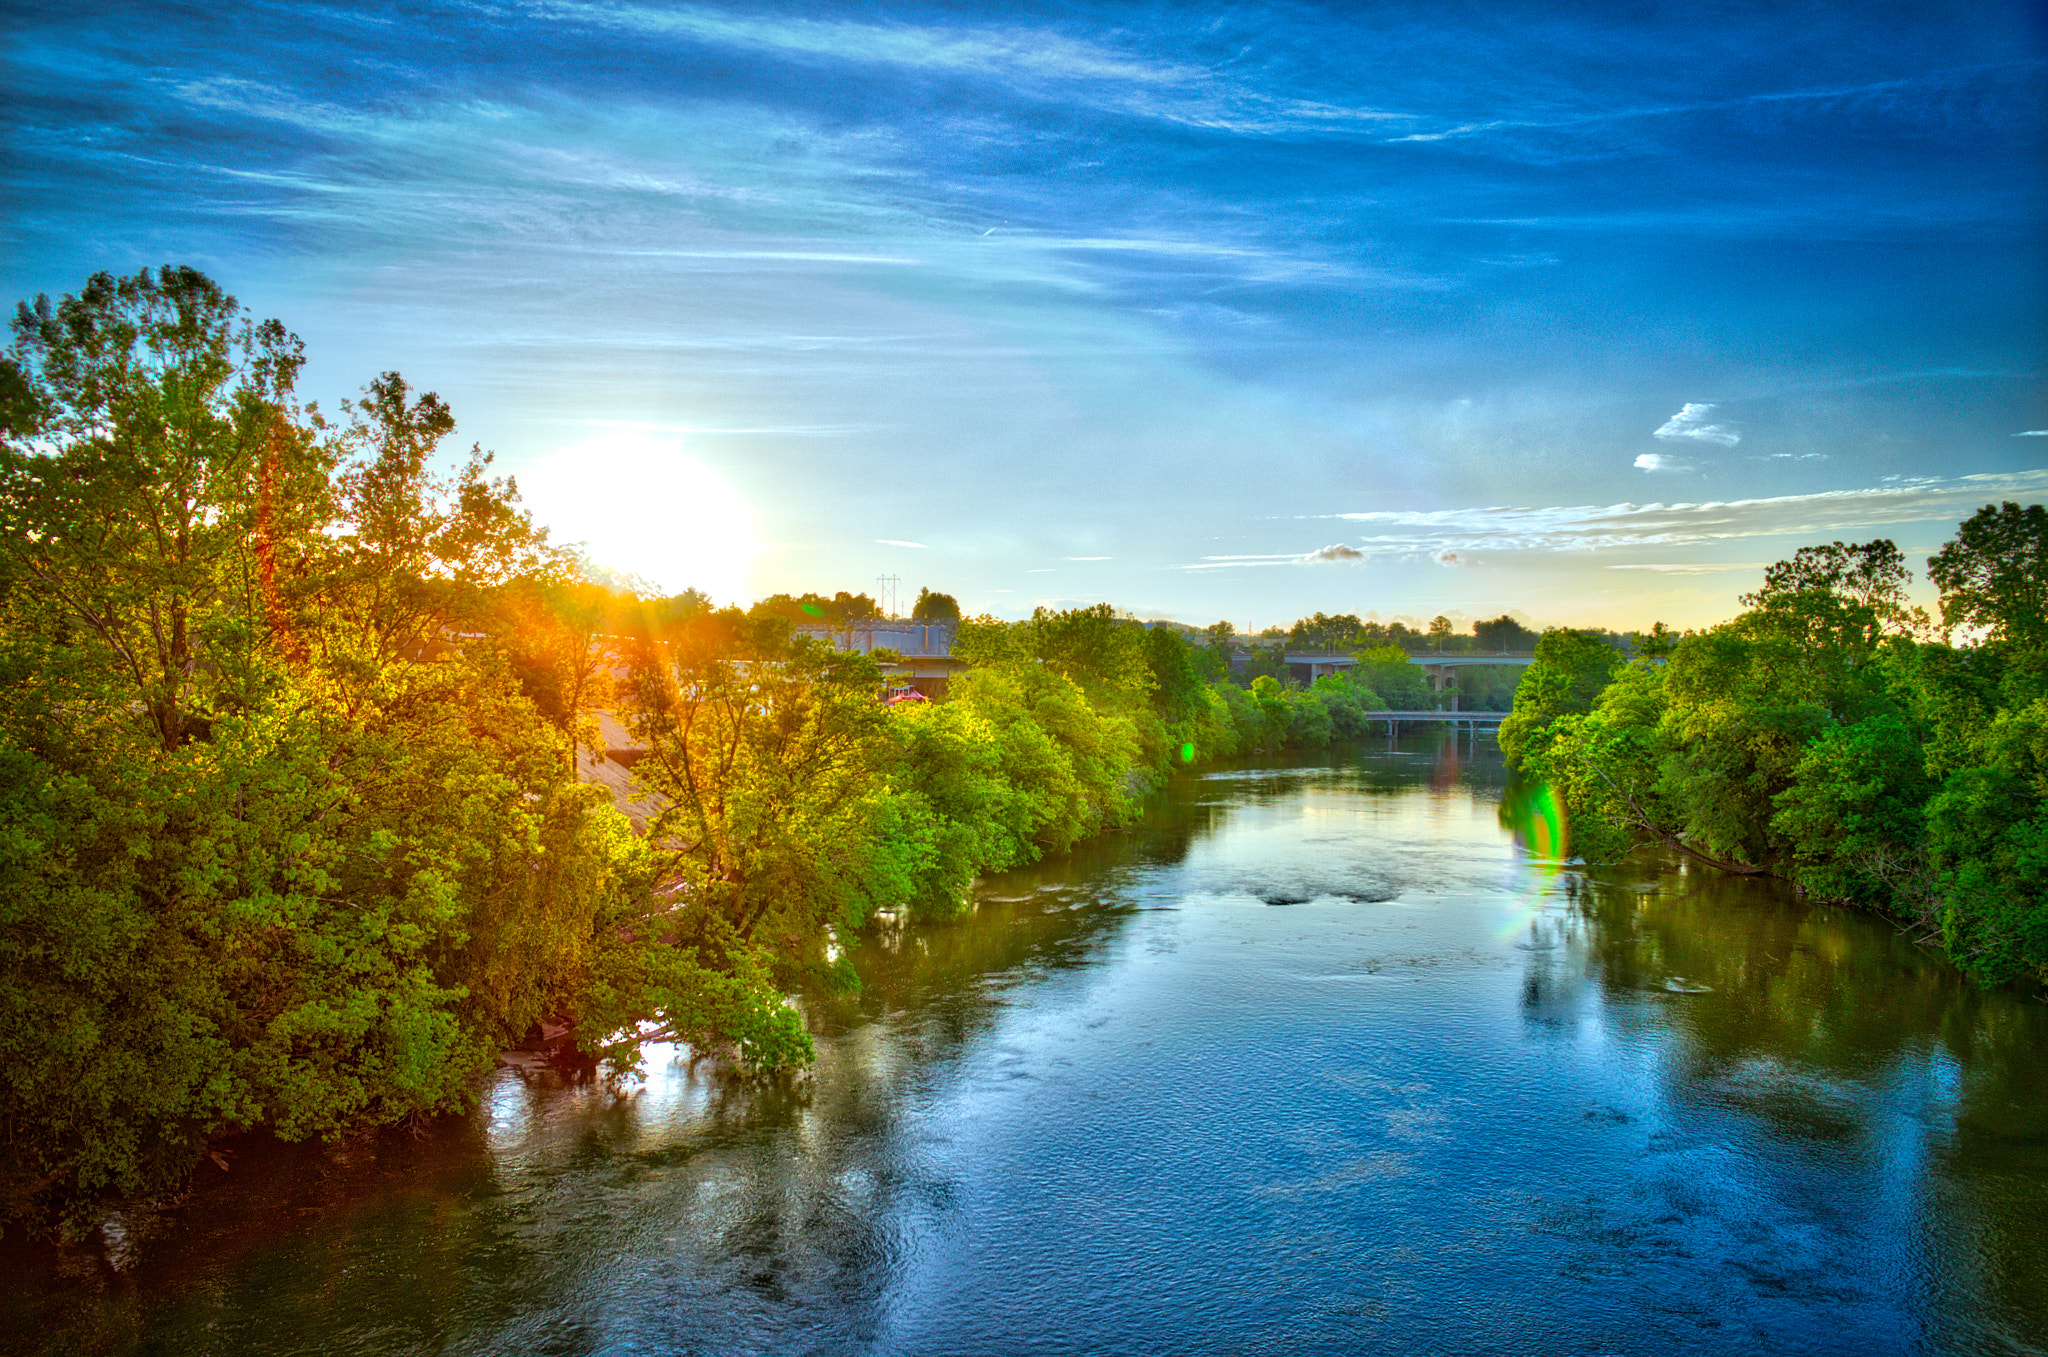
[[1241, 314]]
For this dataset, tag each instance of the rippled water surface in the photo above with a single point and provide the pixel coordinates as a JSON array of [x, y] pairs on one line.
[[1313, 1062]]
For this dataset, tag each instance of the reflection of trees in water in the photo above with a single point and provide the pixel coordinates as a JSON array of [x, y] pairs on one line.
[[1439, 760], [1829, 1030]]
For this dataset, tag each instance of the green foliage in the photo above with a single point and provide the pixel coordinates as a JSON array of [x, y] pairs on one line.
[[283, 842], [1072, 752], [1570, 670], [1995, 575], [840, 610], [1400, 682], [931, 607], [1502, 634], [772, 825], [1347, 702], [1815, 738], [1328, 635]]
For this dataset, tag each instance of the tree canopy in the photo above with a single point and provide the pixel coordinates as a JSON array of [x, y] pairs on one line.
[[931, 607]]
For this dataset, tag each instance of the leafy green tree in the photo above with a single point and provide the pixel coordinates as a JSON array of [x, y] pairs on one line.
[[1570, 670], [1347, 702], [1324, 634], [765, 764], [1270, 712], [1995, 575], [1400, 682], [1836, 601], [1813, 737], [1502, 635], [143, 501], [931, 607]]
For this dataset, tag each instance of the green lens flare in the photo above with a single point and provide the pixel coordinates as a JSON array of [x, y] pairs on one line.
[[1534, 814], [1187, 752]]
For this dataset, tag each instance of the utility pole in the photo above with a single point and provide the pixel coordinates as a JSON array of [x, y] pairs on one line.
[[886, 593]]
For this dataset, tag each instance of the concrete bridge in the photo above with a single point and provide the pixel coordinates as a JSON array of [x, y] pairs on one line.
[[1310, 666], [1463, 723]]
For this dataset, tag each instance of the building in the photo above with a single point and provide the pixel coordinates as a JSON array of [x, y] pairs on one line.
[[925, 660]]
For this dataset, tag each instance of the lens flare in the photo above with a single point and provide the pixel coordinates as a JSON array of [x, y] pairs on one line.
[[1187, 752], [1533, 812]]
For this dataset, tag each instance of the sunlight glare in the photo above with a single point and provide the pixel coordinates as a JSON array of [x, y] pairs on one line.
[[644, 506]]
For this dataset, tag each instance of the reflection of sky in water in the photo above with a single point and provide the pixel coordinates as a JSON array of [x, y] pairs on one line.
[[1442, 1103]]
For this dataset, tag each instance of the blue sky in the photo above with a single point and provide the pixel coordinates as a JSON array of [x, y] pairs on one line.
[[1213, 312]]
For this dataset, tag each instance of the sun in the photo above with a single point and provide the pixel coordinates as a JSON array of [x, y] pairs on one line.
[[644, 506]]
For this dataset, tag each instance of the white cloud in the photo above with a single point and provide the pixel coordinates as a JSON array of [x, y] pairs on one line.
[[892, 542], [1425, 534], [1691, 422], [1336, 551], [2032, 433], [1660, 461], [1087, 558], [1677, 568], [1129, 81]]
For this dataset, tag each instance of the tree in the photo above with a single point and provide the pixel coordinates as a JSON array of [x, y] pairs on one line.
[[279, 845], [1323, 633], [1439, 631], [1841, 597], [139, 495], [1503, 634], [931, 607], [1571, 667], [840, 610], [1994, 575], [1400, 682], [776, 827]]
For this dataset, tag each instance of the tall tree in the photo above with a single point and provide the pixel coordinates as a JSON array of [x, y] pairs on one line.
[[931, 607], [158, 426], [1994, 575]]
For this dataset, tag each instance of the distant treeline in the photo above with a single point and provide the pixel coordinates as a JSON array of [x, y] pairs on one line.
[[1833, 736]]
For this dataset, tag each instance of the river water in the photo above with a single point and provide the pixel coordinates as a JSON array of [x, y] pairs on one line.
[[1315, 1061]]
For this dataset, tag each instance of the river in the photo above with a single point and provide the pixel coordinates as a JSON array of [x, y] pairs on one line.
[[1316, 1060]]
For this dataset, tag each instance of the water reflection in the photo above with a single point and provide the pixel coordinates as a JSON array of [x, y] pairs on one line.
[[1309, 1061]]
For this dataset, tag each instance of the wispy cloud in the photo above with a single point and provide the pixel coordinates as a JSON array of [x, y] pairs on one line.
[[2032, 433], [1584, 528], [894, 542], [1660, 461], [1691, 423], [1919, 98], [1108, 74], [1336, 552], [981, 49], [1688, 568]]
